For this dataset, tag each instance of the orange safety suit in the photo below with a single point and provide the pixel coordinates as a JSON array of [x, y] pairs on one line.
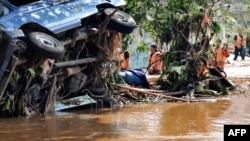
[[155, 65], [124, 61], [221, 55], [203, 70]]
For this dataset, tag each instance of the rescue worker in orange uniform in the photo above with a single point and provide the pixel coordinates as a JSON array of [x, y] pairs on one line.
[[124, 58], [154, 61], [221, 54], [203, 69]]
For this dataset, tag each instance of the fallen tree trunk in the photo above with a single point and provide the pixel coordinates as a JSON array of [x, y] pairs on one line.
[[150, 93]]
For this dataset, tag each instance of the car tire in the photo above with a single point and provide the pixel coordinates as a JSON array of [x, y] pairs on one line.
[[46, 45], [120, 21]]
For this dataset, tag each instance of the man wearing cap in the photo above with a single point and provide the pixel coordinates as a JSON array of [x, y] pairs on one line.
[[154, 62]]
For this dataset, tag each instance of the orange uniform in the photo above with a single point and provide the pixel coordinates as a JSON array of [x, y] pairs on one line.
[[124, 57], [155, 64], [203, 70], [221, 55]]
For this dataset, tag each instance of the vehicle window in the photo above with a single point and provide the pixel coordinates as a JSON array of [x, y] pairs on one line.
[[3, 10], [21, 2]]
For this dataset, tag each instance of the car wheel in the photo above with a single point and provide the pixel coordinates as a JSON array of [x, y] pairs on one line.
[[120, 21], [46, 45]]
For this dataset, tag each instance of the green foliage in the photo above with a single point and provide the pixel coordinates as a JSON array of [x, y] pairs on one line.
[[31, 72], [178, 69], [126, 41], [7, 105], [142, 47], [16, 75], [180, 18], [169, 59], [215, 27], [115, 78]]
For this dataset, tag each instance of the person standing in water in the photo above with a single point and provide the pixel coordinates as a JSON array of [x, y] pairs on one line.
[[238, 45]]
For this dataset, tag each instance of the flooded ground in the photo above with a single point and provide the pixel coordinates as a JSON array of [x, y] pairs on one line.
[[199, 121]]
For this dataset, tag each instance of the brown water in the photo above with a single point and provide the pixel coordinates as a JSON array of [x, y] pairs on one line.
[[199, 121]]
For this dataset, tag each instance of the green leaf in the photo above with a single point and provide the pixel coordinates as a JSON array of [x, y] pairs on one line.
[[7, 105], [215, 27], [143, 47], [31, 72], [16, 75], [178, 69]]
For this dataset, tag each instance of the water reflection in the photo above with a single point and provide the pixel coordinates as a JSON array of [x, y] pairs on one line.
[[142, 122]]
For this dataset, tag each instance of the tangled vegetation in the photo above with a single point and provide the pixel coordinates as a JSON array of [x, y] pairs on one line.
[[188, 27]]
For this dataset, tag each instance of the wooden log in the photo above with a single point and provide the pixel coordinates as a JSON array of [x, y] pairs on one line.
[[150, 93]]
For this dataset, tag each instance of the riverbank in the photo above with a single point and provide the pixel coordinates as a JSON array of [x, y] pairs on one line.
[[238, 69]]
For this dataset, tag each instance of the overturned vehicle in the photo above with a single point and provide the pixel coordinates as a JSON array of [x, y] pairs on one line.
[[55, 48]]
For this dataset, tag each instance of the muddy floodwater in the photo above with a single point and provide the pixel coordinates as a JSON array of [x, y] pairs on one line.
[[197, 121]]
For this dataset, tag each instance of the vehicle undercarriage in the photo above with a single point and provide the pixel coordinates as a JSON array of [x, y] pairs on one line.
[[44, 67]]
